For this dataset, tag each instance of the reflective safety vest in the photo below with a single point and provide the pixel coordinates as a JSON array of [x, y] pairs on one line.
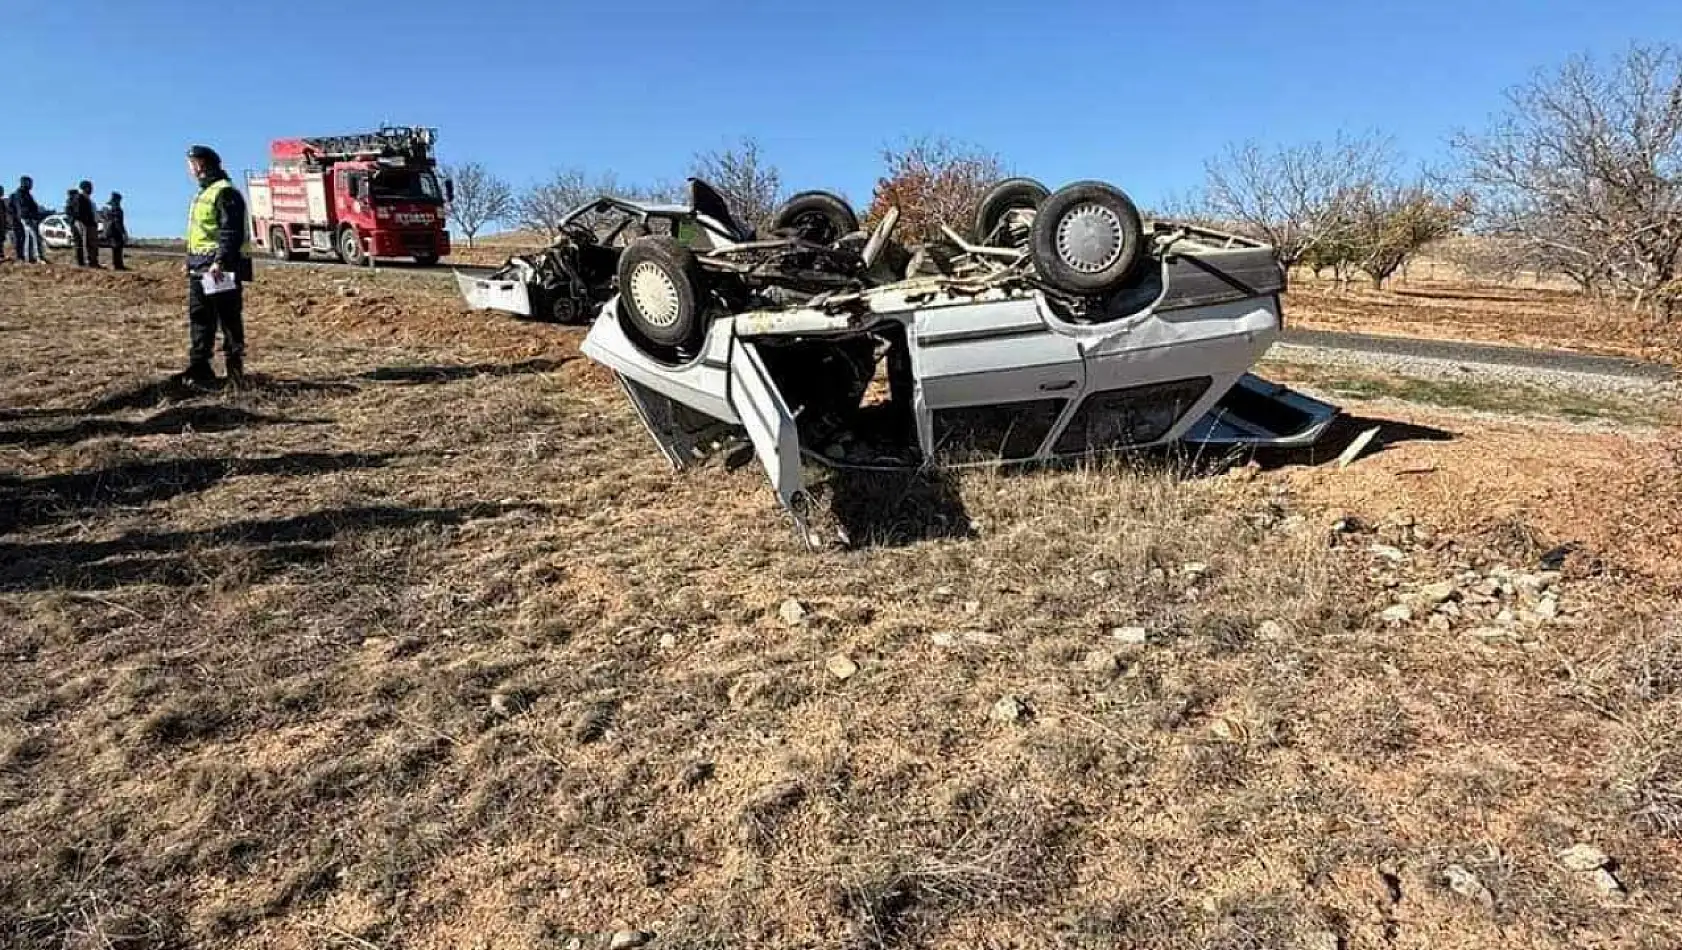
[[201, 220]]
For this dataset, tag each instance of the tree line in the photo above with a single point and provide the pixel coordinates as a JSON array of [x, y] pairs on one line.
[[1579, 176]]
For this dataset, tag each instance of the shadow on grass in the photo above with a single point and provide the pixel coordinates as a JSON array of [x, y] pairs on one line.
[[895, 509], [154, 393], [172, 421], [29, 502], [454, 373], [260, 548]]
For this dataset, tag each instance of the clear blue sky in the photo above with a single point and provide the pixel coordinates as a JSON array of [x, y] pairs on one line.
[[1136, 93]]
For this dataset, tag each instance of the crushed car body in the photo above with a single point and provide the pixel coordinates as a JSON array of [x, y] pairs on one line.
[[1071, 331]]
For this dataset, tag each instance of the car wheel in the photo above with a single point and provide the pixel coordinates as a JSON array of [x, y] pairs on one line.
[[350, 247], [1008, 198], [426, 260], [659, 285], [816, 216], [1087, 238]]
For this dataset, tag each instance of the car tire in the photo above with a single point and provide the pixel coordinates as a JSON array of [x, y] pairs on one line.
[[660, 292], [426, 260], [1087, 239], [816, 216], [349, 247], [1012, 194], [280, 245]]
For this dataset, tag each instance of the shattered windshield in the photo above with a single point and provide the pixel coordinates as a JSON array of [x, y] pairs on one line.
[[397, 184]]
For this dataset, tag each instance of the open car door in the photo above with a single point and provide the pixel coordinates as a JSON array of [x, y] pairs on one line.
[[509, 295], [771, 428]]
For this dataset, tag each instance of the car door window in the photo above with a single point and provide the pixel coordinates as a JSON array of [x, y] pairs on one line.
[[1008, 431], [1133, 415]]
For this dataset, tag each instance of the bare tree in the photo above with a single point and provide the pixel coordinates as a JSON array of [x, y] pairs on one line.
[[1584, 169], [933, 181], [1293, 197], [480, 198], [542, 205], [752, 186]]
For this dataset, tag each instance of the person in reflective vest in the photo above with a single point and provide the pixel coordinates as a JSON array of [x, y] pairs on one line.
[[218, 267]]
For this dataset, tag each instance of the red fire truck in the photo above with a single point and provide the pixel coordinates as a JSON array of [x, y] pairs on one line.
[[370, 195]]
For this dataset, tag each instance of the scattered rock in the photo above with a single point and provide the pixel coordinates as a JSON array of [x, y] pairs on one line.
[[626, 939], [1547, 608], [507, 704], [1424, 533], [1347, 526], [1194, 569], [1396, 613], [1291, 524], [1103, 664], [1008, 711], [1440, 623], [942, 591], [1490, 633], [1270, 630], [668, 641], [972, 606], [1467, 885], [1389, 553], [1506, 617], [1434, 594], [1607, 881], [944, 639], [1132, 635], [1583, 858], [792, 613], [1448, 608], [375, 643], [841, 666], [1101, 579]]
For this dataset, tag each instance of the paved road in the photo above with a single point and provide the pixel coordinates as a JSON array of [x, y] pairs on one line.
[[1487, 354]]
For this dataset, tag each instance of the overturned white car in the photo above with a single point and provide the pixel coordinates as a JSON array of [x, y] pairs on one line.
[[1075, 330]]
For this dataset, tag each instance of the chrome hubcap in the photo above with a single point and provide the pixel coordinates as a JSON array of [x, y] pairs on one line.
[[655, 293], [1089, 238]]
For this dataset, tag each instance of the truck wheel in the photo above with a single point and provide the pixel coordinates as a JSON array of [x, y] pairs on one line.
[[350, 247], [1087, 238], [816, 216], [1010, 195], [659, 284], [280, 245]]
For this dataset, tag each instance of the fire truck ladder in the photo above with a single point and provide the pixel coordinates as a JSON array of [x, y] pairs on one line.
[[410, 142]]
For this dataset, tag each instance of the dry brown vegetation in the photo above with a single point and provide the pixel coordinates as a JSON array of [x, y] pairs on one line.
[[415, 644]]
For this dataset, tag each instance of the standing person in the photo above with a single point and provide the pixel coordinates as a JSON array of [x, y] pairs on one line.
[[216, 249], [26, 222], [5, 225], [84, 224], [116, 229]]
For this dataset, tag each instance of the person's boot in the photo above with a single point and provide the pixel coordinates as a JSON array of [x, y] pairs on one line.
[[197, 375], [236, 371]]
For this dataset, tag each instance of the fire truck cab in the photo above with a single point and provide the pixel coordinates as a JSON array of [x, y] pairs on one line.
[[357, 197]]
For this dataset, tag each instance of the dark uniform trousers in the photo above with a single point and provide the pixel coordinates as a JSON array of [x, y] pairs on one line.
[[87, 244], [207, 312]]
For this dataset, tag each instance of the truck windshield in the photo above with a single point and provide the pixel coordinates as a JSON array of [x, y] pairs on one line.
[[402, 185]]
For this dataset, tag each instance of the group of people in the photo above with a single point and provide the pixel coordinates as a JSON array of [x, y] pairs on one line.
[[21, 216], [218, 256]]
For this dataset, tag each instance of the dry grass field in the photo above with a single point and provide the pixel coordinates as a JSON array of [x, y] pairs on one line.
[[416, 644]]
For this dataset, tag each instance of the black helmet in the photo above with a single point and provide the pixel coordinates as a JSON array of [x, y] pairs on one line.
[[116, 196], [205, 154]]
